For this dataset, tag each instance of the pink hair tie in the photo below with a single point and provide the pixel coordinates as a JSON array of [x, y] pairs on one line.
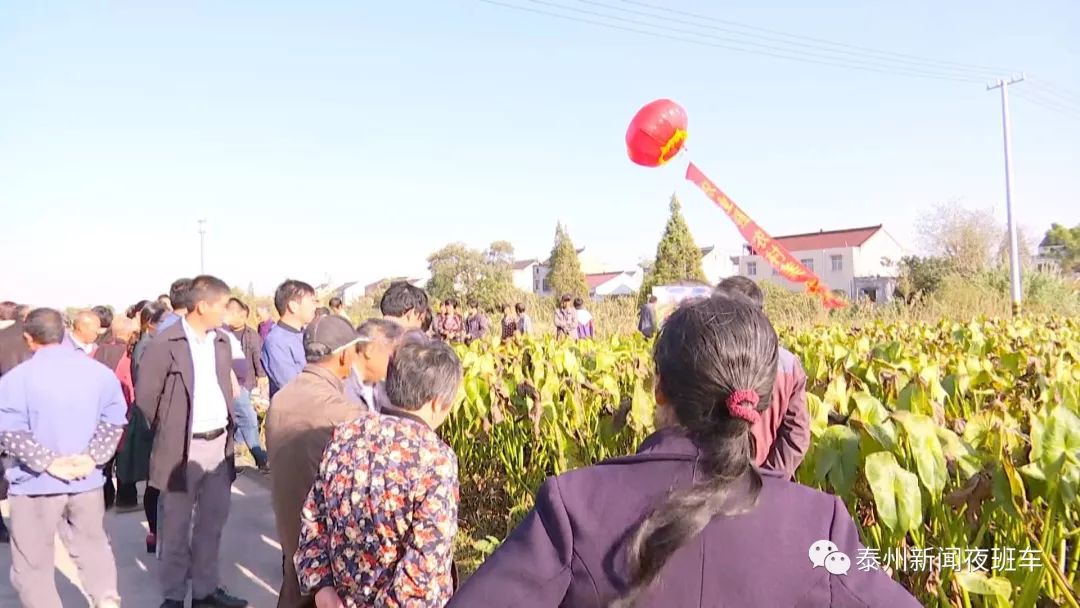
[[748, 413]]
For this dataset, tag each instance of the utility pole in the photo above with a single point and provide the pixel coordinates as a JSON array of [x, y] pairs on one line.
[[202, 246], [1014, 253]]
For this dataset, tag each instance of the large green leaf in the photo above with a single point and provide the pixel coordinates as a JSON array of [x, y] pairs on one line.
[[981, 584], [875, 419], [896, 492], [642, 409], [819, 414], [1060, 452], [838, 458], [926, 449]]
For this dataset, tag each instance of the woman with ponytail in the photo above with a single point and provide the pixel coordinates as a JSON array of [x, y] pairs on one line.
[[688, 521]]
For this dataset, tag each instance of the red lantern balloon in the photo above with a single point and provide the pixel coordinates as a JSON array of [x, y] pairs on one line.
[[657, 133]]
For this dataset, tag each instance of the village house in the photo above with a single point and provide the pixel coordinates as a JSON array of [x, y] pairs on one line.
[[716, 265], [860, 262], [1046, 258], [606, 280], [606, 284]]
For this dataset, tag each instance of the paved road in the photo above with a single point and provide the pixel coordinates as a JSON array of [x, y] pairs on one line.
[[250, 554]]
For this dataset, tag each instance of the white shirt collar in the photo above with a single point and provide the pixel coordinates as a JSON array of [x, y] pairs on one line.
[[193, 336]]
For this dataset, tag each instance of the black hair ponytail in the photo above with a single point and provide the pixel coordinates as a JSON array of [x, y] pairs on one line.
[[716, 365]]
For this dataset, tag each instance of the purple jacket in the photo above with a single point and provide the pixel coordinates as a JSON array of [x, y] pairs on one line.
[[570, 549]]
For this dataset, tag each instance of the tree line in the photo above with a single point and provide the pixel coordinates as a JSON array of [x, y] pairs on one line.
[[487, 277]]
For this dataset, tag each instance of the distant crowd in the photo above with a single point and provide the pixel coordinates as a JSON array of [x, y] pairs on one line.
[[365, 493]]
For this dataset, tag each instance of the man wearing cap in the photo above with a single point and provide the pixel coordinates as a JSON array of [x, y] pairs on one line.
[[299, 426]]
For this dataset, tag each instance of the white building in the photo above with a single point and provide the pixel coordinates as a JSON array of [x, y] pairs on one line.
[[716, 265], [349, 292], [1046, 259], [590, 264], [604, 284], [860, 262], [526, 275]]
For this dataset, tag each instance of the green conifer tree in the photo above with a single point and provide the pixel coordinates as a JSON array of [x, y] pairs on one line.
[[678, 258], [565, 276]]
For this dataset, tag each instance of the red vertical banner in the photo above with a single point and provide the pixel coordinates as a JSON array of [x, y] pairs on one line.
[[763, 244]]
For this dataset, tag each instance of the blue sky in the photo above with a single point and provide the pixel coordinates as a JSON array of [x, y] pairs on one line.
[[351, 139]]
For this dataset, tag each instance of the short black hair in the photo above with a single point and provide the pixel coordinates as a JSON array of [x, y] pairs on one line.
[[7, 310], [321, 311], [291, 291], [152, 314], [240, 303], [451, 302], [45, 326], [179, 294], [204, 288], [652, 299], [520, 308], [422, 371], [335, 302], [579, 303], [400, 298], [133, 311], [742, 286], [472, 303], [105, 315]]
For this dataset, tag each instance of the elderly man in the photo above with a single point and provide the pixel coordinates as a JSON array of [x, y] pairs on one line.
[[364, 385], [299, 426], [61, 418], [85, 330]]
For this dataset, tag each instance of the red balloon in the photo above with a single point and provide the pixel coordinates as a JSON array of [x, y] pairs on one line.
[[657, 133]]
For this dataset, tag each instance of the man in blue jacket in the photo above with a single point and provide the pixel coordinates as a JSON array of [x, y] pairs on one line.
[[62, 415], [283, 350]]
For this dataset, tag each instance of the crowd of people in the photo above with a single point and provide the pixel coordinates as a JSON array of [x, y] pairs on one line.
[[365, 493]]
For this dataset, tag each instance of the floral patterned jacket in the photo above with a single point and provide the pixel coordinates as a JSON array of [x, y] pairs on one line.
[[379, 523]]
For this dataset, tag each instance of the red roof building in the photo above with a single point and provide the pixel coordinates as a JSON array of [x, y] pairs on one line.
[[860, 262], [827, 239]]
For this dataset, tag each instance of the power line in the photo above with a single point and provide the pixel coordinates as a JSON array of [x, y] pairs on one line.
[[848, 62], [798, 41], [1035, 99], [1056, 91], [728, 44], [970, 66]]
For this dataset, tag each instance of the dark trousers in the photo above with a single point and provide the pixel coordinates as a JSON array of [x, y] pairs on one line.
[[127, 494], [150, 507], [194, 518], [109, 489]]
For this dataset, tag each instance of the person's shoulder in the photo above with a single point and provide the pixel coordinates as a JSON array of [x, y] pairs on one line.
[[787, 362], [812, 521], [787, 490]]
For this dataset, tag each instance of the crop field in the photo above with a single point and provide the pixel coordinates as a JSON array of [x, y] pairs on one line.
[[956, 446]]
